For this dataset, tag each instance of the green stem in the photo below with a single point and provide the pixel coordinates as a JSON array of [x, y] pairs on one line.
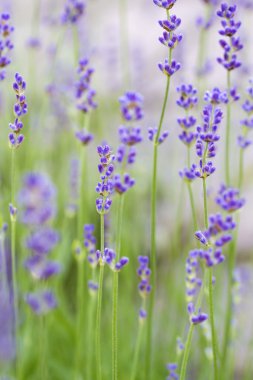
[[153, 234], [137, 351], [43, 349], [80, 317], [205, 203], [186, 352], [13, 252], [90, 329], [194, 215], [115, 293], [228, 127], [211, 312], [99, 304]]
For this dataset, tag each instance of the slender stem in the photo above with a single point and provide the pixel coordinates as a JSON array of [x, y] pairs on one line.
[[80, 317], [43, 348], [90, 329], [186, 352], [153, 234], [137, 351], [13, 251], [115, 293], [210, 291], [228, 127], [194, 215], [99, 304]]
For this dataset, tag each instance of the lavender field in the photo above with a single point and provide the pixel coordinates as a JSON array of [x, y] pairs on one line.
[[126, 200]]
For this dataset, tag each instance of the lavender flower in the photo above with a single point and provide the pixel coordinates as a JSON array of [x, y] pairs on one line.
[[247, 123], [42, 241], [228, 199], [122, 185], [84, 93], [105, 187], [229, 29], [144, 286], [167, 4], [152, 132], [37, 199], [41, 302], [5, 43], [41, 268], [73, 11], [130, 135], [84, 137], [169, 69], [131, 106], [73, 187], [172, 368], [20, 109], [109, 257]]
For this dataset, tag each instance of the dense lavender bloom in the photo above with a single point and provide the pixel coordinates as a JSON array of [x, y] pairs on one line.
[[126, 154], [74, 9], [90, 245], [41, 302], [189, 174], [73, 187], [247, 123], [208, 133], [7, 339], [130, 135], [188, 96], [171, 24], [198, 318], [228, 199], [20, 109], [167, 4], [5, 43], [172, 368], [124, 184], [144, 286], [37, 199], [229, 29], [84, 137], [105, 187], [42, 241], [169, 68], [41, 268], [152, 132], [170, 40], [109, 257], [84, 93], [216, 96], [131, 106]]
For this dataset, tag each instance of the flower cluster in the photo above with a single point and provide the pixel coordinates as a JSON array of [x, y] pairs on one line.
[[247, 123], [152, 133], [20, 109], [131, 104], [109, 257], [170, 39], [74, 9], [105, 187], [229, 199], [208, 133], [144, 286], [187, 100], [5, 43], [167, 4], [229, 29], [37, 199], [92, 255], [172, 368], [84, 92], [121, 185]]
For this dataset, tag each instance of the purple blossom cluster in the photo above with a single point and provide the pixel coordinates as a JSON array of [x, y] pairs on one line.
[[167, 4], [20, 109], [5, 43], [131, 104], [247, 122], [105, 187], [233, 43], [172, 368], [73, 11], [229, 200], [84, 92], [170, 39], [188, 99], [37, 200], [144, 286]]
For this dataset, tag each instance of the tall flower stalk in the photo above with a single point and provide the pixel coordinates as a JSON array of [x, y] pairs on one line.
[[15, 140], [131, 110], [170, 66], [230, 62]]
